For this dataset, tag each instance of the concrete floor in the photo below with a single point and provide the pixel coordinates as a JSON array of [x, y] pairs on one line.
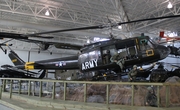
[[3, 107], [24, 102]]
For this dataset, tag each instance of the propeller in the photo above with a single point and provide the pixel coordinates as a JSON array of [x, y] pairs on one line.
[[102, 26]]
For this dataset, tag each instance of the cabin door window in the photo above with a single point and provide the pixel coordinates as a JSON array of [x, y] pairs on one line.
[[132, 52], [107, 53]]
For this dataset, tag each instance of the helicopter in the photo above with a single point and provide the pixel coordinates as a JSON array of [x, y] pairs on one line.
[[102, 75], [138, 50]]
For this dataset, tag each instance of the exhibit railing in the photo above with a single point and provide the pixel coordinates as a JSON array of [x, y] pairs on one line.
[[109, 92]]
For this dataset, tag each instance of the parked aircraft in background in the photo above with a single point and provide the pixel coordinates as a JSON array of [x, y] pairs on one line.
[[168, 39], [43, 45]]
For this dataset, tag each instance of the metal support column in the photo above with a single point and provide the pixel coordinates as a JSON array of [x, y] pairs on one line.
[[107, 94], [85, 92], [4, 85], [158, 97], [64, 90], [167, 95], [132, 96], [1, 91], [19, 92], [29, 88], [11, 84], [40, 89], [53, 91]]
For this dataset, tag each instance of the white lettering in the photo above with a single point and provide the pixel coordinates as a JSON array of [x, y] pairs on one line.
[[89, 64], [83, 67], [95, 61]]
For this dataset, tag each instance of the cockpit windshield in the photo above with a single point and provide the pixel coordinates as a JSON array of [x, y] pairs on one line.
[[145, 43], [153, 42]]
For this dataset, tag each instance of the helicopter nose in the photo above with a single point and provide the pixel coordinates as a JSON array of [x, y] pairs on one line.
[[163, 51]]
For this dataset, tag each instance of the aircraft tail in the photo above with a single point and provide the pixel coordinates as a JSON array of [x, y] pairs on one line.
[[16, 60], [161, 34]]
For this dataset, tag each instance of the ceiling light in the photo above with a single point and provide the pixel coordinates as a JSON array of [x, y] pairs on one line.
[[88, 41], [119, 27], [47, 13], [169, 5]]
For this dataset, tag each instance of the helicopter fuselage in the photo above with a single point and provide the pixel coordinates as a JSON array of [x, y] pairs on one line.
[[136, 51]]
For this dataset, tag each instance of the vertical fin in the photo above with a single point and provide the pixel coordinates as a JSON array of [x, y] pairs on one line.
[[16, 60], [161, 34]]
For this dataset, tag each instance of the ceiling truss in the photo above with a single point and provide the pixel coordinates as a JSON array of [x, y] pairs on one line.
[[28, 16]]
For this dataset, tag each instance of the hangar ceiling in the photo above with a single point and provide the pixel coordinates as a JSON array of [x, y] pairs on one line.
[[28, 16]]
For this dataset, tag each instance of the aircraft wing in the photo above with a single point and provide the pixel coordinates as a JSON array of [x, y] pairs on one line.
[[43, 44]]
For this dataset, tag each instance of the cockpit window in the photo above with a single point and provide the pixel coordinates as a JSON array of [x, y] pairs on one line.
[[150, 44], [145, 44], [143, 41]]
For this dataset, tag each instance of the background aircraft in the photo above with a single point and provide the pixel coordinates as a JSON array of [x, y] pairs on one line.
[[13, 72], [168, 39], [9, 71], [43, 45]]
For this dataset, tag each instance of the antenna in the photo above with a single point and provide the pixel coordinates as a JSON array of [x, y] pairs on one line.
[[110, 25]]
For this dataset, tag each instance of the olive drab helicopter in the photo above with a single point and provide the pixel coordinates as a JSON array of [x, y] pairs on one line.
[[138, 50]]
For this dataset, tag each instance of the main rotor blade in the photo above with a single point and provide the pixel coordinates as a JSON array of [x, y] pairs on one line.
[[148, 19], [45, 37], [65, 30], [102, 26]]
